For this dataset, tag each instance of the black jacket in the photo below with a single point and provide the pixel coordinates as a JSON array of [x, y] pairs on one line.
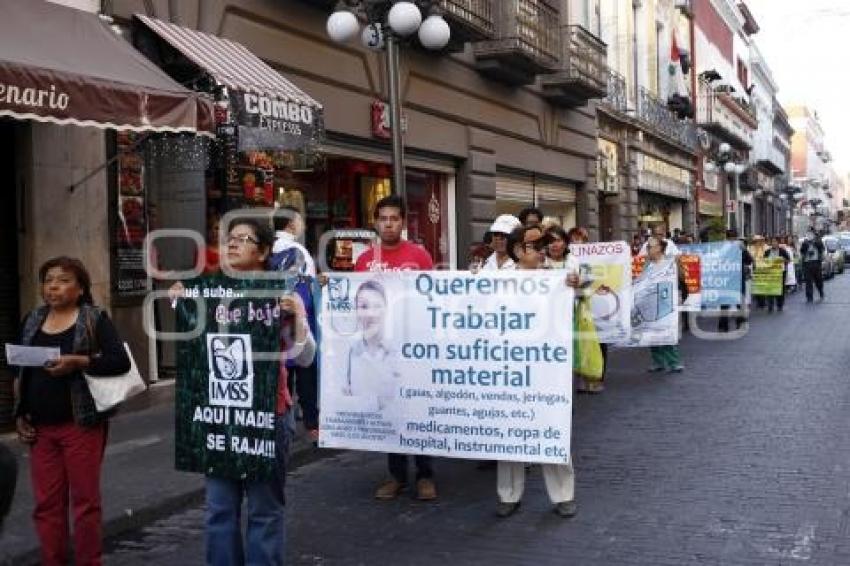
[[818, 246]]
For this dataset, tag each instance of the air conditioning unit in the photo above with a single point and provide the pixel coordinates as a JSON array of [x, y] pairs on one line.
[[686, 7]]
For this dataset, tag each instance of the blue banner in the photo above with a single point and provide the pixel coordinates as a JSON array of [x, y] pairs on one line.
[[721, 264]]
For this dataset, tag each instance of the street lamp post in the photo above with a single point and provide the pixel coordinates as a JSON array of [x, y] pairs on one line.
[[725, 161], [388, 24], [791, 195]]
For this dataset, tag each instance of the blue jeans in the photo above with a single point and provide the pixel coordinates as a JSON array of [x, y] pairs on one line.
[[265, 534]]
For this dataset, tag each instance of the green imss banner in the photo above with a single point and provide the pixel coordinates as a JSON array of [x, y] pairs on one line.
[[227, 376], [767, 277]]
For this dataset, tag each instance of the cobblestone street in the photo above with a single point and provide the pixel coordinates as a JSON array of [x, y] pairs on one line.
[[740, 460]]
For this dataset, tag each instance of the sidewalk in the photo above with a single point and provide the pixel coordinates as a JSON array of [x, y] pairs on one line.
[[139, 482]]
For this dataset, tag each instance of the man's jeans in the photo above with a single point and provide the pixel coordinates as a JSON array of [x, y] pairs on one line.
[[814, 275], [265, 535]]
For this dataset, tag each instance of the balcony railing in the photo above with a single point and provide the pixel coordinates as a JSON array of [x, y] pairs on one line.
[[584, 72], [470, 20], [660, 120], [617, 97], [726, 117], [768, 155], [526, 42]]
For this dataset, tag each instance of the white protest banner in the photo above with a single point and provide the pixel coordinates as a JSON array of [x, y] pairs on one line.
[[655, 318], [606, 270], [448, 364]]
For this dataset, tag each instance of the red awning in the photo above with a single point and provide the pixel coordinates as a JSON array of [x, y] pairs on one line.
[[66, 66]]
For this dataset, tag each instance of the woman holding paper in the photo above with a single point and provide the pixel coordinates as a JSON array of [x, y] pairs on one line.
[[56, 413], [526, 246]]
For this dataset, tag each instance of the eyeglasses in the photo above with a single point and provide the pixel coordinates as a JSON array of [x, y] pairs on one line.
[[241, 240], [536, 246]]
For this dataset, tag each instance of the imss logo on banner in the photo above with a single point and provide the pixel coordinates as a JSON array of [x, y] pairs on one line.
[[231, 370]]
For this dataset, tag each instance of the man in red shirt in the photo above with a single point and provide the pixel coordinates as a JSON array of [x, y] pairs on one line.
[[395, 254]]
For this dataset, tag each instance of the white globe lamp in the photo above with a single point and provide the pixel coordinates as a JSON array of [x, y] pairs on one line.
[[729, 167], [404, 18], [434, 33], [739, 169], [725, 148], [342, 26], [373, 37]]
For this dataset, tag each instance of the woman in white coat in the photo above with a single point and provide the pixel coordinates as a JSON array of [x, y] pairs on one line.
[[527, 246]]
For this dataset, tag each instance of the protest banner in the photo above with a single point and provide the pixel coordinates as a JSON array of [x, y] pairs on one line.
[[448, 364], [637, 265], [767, 277], [605, 269], [721, 264], [227, 376], [691, 266], [655, 318]]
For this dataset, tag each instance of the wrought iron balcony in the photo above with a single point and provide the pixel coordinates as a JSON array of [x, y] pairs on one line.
[[767, 155], [661, 121], [650, 114], [749, 180], [727, 117], [583, 73], [525, 44], [470, 20], [617, 95]]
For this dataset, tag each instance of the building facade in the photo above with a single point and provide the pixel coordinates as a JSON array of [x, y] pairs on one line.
[[55, 156], [501, 120], [810, 170], [647, 139], [768, 159], [723, 31]]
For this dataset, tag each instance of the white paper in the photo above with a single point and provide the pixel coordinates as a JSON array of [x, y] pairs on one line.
[[30, 356]]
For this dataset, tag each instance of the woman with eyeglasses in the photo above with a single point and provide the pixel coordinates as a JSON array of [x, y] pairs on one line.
[[248, 245], [527, 246]]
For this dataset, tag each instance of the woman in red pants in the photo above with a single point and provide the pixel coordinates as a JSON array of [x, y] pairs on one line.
[[56, 414]]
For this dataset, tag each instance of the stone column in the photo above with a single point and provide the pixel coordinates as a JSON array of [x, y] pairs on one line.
[[476, 194]]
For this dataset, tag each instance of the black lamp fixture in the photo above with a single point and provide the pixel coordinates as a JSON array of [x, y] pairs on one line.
[[388, 24], [725, 160], [710, 75]]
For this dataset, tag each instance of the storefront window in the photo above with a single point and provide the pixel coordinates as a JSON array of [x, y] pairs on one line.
[[342, 196], [336, 193], [131, 216], [190, 183], [556, 200]]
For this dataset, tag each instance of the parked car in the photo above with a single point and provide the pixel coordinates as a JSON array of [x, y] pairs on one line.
[[844, 242], [834, 250]]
